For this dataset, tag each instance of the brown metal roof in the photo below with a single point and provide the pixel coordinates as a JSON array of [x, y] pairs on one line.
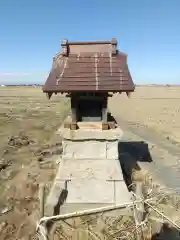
[[89, 66]]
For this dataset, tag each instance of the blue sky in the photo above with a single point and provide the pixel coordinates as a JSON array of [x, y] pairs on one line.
[[147, 30]]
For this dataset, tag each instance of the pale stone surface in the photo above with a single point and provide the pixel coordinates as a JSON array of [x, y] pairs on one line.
[[85, 150], [90, 191], [87, 194], [121, 192], [90, 169], [112, 150], [90, 149], [53, 197], [55, 191], [89, 134]]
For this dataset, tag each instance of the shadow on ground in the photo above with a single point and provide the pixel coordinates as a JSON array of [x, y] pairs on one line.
[[130, 153], [110, 118], [166, 233]]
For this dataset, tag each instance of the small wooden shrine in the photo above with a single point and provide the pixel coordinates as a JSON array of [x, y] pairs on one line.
[[89, 73]]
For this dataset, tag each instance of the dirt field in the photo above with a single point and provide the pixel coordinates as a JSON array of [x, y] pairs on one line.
[[154, 107], [27, 123], [28, 148]]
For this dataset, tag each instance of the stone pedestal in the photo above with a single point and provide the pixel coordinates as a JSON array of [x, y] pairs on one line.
[[89, 172]]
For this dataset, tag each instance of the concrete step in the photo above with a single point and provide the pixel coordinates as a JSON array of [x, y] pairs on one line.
[[96, 191], [89, 173], [89, 169], [89, 134], [83, 194], [90, 149]]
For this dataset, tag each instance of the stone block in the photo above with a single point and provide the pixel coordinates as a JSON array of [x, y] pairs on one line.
[[112, 150], [84, 149], [122, 194], [90, 134], [90, 191], [90, 169], [53, 197]]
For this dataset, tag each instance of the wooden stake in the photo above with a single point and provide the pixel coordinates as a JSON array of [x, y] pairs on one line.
[[41, 199], [139, 210]]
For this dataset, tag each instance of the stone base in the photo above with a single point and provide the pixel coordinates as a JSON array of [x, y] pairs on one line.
[[89, 173], [87, 183], [83, 192], [90, 134], [89, 169], [90, 149]]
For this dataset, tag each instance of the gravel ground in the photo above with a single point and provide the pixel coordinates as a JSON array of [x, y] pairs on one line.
[[165, 165]]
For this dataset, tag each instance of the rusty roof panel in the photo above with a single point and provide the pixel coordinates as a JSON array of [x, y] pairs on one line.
[[90, 48], [89, 66]]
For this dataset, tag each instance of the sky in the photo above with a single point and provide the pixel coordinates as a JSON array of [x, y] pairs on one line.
[[147, 30]]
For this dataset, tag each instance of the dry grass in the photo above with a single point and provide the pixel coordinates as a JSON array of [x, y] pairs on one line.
[[155, 107], [154, 226], [27, 123]]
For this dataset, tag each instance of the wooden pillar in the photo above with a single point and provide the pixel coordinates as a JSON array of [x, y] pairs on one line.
[[74, 109], [104, 111]]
